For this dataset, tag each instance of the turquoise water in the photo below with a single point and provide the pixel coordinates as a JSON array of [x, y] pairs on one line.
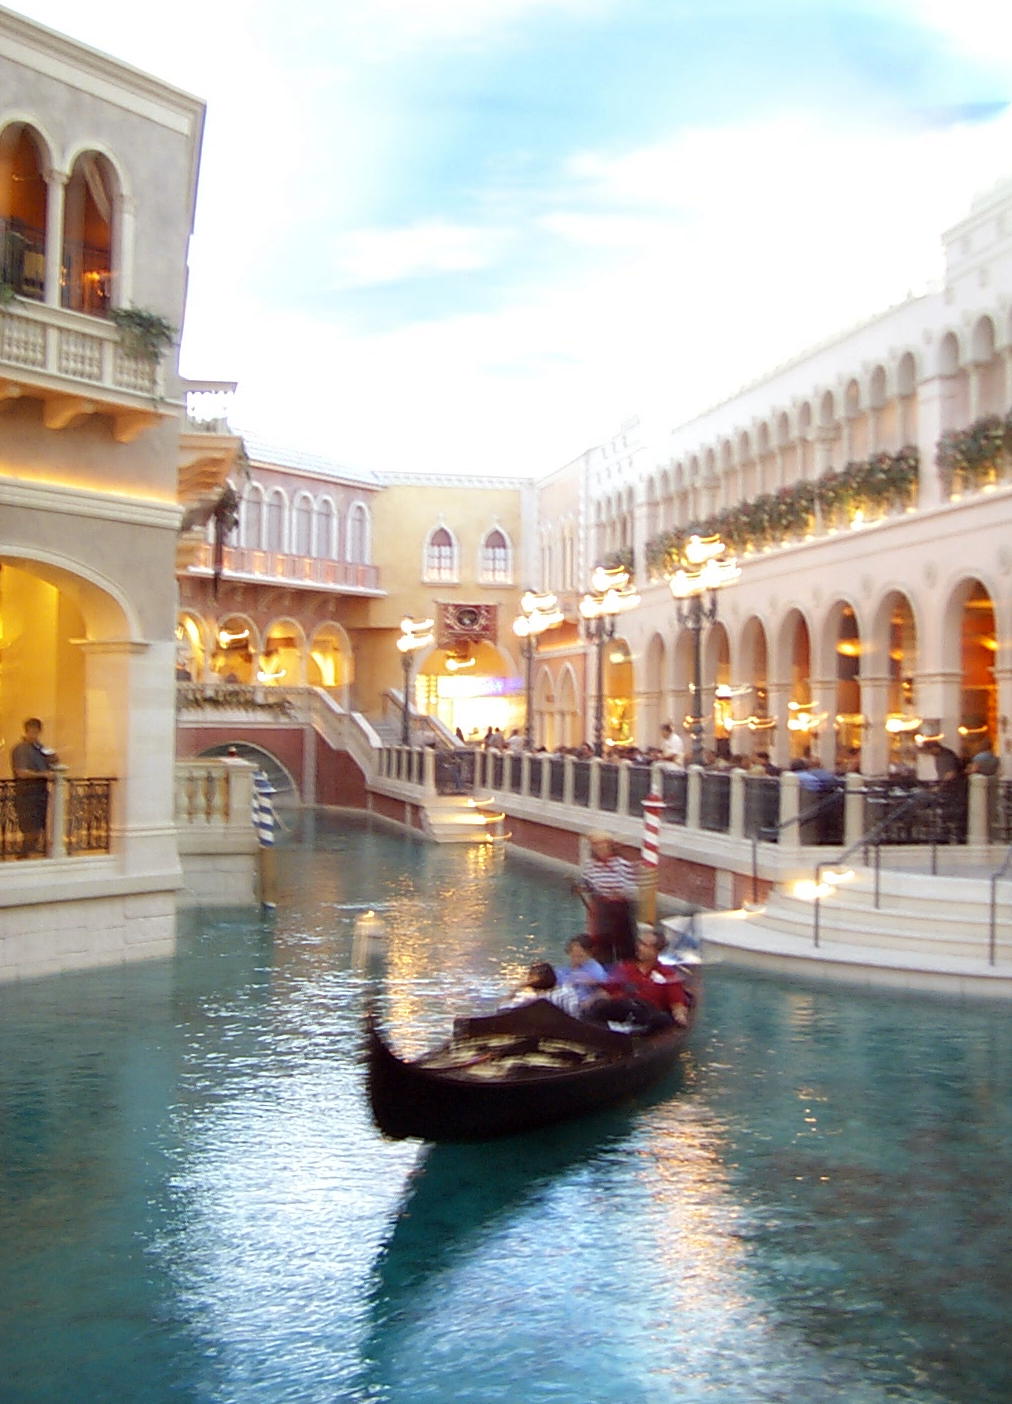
[[195, 1206]]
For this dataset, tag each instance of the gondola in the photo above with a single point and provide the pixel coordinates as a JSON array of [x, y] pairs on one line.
[[513, 1071]]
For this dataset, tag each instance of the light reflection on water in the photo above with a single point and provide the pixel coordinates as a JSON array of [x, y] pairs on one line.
[[196, 1207]]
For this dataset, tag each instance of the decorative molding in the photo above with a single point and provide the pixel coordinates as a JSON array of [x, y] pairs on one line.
[[72, 501]]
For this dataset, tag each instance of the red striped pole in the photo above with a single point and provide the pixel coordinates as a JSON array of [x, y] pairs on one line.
[[653, 807]]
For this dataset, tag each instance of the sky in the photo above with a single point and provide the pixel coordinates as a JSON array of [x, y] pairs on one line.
[[475, 236]]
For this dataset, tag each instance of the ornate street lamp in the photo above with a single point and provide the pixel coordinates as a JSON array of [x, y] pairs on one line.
[[694, 586], [415, 634], [611, 594], [540, 612]]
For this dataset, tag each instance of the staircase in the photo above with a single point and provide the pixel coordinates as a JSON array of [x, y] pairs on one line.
[[927, 932], [455, 819]]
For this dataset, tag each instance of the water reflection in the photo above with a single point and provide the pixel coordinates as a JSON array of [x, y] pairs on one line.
[[195, 1205]]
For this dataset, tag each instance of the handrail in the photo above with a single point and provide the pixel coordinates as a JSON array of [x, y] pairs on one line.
[[918, 799], [832, 797], [996, 876]]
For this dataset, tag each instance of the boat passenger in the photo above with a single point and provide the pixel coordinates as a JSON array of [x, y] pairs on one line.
[[644, 991], [540, 983], [610, 883], [583, 974]]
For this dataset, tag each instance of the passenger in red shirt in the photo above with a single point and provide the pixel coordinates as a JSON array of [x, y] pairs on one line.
[[643, 990]]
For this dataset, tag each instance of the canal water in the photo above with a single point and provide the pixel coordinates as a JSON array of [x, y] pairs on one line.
[[195, 1206]]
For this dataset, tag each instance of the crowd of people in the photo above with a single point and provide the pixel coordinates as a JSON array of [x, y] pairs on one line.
[[812, 773]]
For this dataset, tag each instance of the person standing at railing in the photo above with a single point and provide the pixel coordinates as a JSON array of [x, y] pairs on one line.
[[951, 785], [31, 763]]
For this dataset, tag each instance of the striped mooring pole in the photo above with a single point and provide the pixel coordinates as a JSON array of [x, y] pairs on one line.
[[653, 807]]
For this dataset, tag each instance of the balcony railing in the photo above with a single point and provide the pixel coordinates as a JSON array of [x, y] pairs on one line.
[[77, 818], [771, 810], [253, 564], [55, 342]]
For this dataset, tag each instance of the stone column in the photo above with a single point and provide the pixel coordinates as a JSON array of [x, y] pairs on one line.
[[790, 808], [56, 187], [853, 809], [875, 705], [130, 736], [777, 696], [930, 425], [123, 227], [736, 822], [694, 797], [939, 702], [823, 699]]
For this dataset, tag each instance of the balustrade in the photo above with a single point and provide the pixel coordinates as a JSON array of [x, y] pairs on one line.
[[77, 817]]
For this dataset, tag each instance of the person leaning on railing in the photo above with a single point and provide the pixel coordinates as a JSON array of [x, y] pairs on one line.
[[31, 763]]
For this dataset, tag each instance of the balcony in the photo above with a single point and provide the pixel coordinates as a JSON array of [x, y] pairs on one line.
[[76, 365], [302, 572]]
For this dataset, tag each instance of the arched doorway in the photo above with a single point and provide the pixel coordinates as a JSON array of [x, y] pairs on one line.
[[978, 720], [896, 637], [849, 718], [236, 644], [794, 673], [192, 650], [619, 694], [753, 709], [471, 689], [717, 692], [654, 700], [330, 663], [570, 732], [282, 661]]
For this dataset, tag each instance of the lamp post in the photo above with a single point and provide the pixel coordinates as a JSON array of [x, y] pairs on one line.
[[611, 593], [694, 587], [540, 612], [415, 634]]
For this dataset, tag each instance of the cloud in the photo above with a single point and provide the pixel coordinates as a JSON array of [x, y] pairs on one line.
[[364, 257]]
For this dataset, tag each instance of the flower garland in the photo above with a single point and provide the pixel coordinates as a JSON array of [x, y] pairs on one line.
[[969, 459], [883, 483]]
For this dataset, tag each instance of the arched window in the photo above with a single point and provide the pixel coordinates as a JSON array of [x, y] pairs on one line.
[[496, 563], [252, 518], [88, 235], [440, 555], [275, 523], [22, 212], [358, 535], [302, 526], [326, 530]]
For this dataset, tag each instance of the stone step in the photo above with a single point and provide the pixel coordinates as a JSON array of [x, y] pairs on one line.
[[745, 938], [966, 934]]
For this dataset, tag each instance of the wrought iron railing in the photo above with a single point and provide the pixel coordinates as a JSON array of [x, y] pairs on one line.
[[77, 819], [715, 801]]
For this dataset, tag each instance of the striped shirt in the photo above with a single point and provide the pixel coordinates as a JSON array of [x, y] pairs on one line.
[[614, 878]]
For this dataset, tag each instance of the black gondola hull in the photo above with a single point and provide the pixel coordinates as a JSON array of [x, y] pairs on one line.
[[411, 1100]]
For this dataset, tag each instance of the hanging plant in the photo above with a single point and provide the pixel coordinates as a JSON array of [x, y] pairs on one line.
[[975, 456], [622, 557], [143, 333]]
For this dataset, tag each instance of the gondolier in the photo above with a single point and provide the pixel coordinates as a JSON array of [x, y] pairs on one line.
[[609, 881]]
